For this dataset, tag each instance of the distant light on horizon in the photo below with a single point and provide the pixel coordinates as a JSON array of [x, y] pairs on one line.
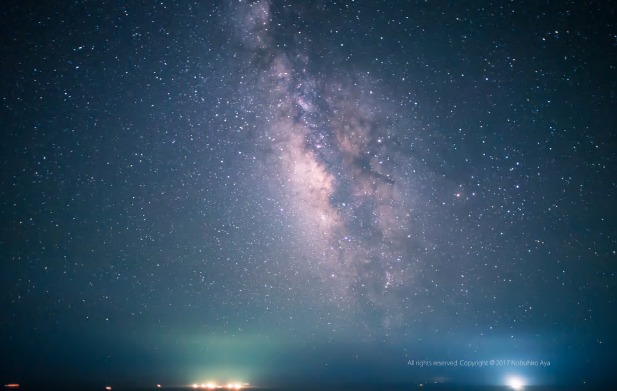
[[516, 383], [213, 386]]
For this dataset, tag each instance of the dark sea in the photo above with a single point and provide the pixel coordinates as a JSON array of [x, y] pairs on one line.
[[355, 387]]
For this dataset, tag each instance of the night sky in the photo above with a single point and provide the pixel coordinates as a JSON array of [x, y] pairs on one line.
[[280, 192]]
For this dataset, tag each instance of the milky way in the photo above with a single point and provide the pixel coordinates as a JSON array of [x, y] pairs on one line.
[[333, 157]]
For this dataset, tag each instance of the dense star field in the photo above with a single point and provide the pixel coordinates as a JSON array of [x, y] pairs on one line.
[[277, 192]]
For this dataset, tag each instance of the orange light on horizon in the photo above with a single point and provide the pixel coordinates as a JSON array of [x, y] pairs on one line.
[[215, 386], [108, 388], [11, 385]]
